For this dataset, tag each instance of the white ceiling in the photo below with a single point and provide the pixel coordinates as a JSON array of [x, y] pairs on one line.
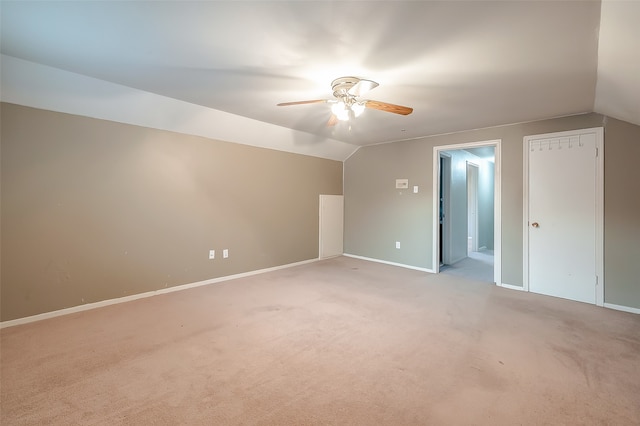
[[460, 65]]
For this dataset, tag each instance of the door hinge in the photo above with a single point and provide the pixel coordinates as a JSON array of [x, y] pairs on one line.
[[597, 281], [597, 151]]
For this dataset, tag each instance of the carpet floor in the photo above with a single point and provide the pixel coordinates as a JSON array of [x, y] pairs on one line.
[[335, 342], [477, 266]]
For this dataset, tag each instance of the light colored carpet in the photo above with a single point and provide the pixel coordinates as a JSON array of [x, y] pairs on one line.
[[478, 266], [336, 342]]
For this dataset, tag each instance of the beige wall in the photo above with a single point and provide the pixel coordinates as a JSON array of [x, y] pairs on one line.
[[622, 213], [94, 210], [377, 215]]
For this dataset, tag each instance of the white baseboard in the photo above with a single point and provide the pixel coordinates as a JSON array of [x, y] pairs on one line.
[[389, 263], [102, 303], [622, 308], [511, 286]]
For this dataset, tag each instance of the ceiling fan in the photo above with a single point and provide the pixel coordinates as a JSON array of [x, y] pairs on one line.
[[347, 104]]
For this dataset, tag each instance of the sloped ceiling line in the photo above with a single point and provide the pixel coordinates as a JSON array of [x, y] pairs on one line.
[[29, 84]]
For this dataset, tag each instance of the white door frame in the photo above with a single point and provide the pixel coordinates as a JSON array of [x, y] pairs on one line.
[[472, 196], [497, 215], [599, 131]]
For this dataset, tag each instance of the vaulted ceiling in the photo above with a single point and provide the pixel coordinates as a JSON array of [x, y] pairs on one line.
[[459, 65]]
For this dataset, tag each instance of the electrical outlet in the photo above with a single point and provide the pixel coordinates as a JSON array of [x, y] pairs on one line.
[[225, 253], [397, 244], [212, 254]]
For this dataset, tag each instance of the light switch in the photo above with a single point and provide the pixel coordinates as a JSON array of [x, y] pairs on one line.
[[415, 189]]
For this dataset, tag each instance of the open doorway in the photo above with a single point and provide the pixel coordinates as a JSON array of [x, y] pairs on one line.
[[467, 231]]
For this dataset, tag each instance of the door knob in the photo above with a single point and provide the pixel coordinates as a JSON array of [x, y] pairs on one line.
[[535, 224]]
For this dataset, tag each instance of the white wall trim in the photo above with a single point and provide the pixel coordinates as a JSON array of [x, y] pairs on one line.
[[370, 259], [510, 286], [103, 303], [622, 308], [497, 202]]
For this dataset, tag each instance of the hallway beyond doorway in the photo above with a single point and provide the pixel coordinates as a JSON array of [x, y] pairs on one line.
[[477, 266]]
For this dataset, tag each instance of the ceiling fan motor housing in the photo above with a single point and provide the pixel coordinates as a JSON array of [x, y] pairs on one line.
[[342, 85]]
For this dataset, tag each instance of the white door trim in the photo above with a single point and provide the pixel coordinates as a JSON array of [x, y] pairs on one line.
[[599, 132], [497, 202]]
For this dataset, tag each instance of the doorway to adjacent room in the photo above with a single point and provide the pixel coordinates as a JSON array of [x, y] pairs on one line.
[[466, 210]]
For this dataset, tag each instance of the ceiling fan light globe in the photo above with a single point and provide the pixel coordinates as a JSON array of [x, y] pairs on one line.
[[343, 115], [338, 108], [357, 108]]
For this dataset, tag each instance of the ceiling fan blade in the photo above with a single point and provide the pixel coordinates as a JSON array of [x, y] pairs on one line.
[[333, 120], [383, 106], [362, 87], [314, 101]]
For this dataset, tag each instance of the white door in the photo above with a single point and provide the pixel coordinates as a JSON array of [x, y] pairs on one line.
[[445, 209], [331, 225], [563, 214]]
